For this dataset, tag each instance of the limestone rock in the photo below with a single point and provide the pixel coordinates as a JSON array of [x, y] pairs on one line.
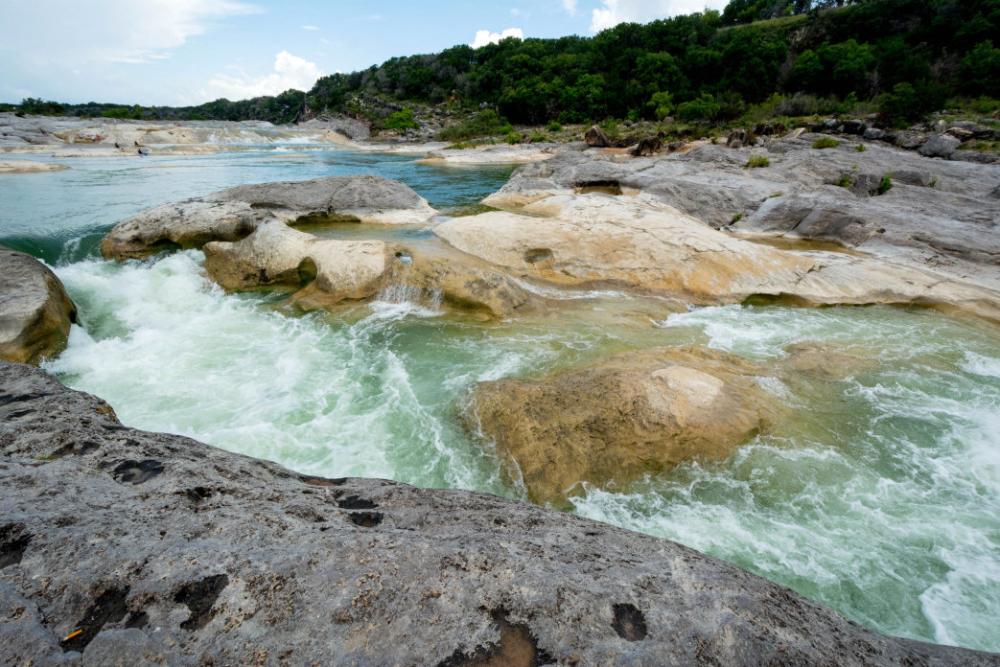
[[120, 546], [234, 213], [596, 138], [639, 243], [941, 145], [35, 311], [938, 216], [638, 413], [276, 254]]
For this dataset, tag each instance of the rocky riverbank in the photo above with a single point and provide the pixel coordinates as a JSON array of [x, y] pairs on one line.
[[119, 547]]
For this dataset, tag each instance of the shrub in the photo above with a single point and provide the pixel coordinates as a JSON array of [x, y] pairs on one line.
[[514, 137], [845, 181], [483, 124], [860, 148], [537, 138], [757, 161], [702, 108], [885, 184], [400, 120], [661, 103], [554, 126], [825, 142]]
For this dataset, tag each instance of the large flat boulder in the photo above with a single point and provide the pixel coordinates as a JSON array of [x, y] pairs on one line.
[[635, 414], [938, 213], [121, 547], [640, 243], [35, 311], [233, 214]]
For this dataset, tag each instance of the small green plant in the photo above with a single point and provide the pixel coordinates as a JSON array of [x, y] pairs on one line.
[[845, 181], [459, 145], [775, 195], [825, 142], [933, 183], [736, 218], [400, 120], [514, 137], [885, 184], [861, 148], [537, 138], [757, 161], [554, 126]]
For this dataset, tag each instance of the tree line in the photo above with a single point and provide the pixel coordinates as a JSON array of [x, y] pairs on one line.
[[910, 55]]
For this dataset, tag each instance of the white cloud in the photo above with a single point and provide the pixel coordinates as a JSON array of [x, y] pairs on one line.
[[569, 6], [484, 37], [290, 71], [115, 31], [614, 12], [310, 27]]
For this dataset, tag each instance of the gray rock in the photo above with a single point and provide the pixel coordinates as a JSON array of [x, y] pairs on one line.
[[874, 134], [233, 214], [952, 225], [941, 145], [35, 311], [596, 138], [909, 139], [116, 542]]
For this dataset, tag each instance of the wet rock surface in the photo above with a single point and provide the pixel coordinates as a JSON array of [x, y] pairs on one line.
[[209, 557], [233, 214], [35, 311], [635, 414]]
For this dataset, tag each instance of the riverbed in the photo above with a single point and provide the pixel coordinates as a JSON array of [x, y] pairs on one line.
[[880, 499]]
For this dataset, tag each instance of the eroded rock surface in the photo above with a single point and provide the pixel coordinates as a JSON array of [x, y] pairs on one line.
[[641, 243], [327, 272], [937, 213], [233, 214], [635, 414], [124, 547], [35, 311]]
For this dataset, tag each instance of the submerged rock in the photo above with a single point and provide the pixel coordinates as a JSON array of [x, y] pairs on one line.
[[233, 214], [28, 167], [632, 415], [35, 311], [124, 547]]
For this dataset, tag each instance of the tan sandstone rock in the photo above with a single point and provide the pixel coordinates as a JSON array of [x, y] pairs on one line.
[[276, 254], [640, 243], [637, 413]]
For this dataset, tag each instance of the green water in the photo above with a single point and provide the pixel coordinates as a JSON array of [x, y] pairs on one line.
[[880, 497]]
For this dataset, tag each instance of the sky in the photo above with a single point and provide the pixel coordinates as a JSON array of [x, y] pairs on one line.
[[183, 52]]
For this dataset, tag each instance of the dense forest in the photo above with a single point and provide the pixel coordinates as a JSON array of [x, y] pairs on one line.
[[905, 57]]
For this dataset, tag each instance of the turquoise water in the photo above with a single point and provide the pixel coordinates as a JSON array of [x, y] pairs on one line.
[[880, 498]]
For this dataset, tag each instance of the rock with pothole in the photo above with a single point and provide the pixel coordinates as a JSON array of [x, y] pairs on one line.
[[275, 254], [635, 414], [227, 560], [35, 311], [233, 214]]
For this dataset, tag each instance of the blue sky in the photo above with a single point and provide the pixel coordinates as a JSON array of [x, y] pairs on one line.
[[191, 51]]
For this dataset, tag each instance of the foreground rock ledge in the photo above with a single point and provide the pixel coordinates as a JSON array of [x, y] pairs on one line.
[[233, 214], [120, 547], [35, 311]]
